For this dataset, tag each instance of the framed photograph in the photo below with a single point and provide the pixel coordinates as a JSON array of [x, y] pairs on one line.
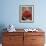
[[26, 13]]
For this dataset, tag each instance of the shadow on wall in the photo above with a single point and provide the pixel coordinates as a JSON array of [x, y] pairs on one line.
[[2, 26]]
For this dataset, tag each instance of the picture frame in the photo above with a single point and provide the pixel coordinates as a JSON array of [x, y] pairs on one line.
[[26, 13]]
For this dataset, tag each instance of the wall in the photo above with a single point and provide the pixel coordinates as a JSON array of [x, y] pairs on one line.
[[9, 14]]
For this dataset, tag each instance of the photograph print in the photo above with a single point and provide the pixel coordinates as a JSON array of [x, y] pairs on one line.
[[26, 13]]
